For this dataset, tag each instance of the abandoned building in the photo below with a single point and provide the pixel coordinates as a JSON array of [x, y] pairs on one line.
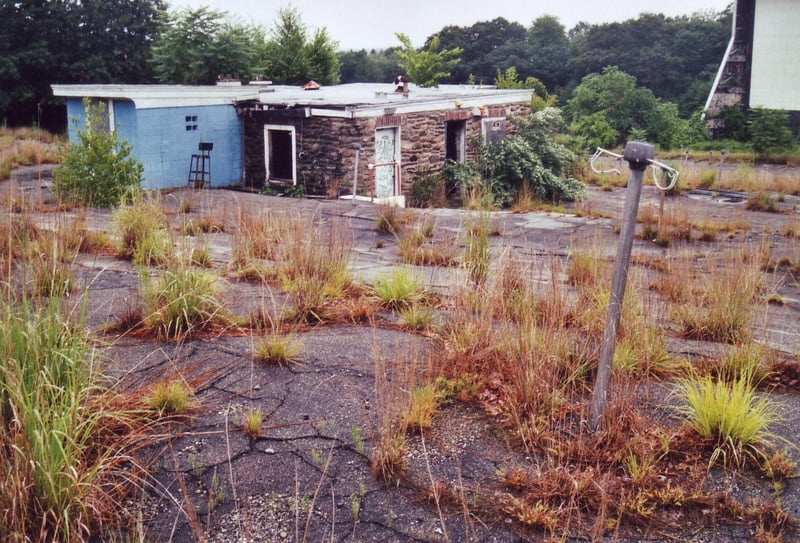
[[761, 67], [165, 124], [374, 136], [378, 137]]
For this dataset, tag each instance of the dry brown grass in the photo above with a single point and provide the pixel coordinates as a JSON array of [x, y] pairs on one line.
[[257, 237], [419, 250], [25, 147], [726, 301], [745, 177]]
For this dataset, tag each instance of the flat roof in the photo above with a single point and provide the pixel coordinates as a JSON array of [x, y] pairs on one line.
[[348, 100], [369, 99], [159, 96]]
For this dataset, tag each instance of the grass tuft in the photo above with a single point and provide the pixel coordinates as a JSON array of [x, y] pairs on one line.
[[170, 398], [277, 350], [400, 290], [251, 422], [731, 416], [388, 460], [137, 219], [180, 301]]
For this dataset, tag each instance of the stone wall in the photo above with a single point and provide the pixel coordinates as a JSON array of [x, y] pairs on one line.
[[326, 146]]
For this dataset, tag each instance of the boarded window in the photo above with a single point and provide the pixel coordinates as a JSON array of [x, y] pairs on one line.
[[494, 129]]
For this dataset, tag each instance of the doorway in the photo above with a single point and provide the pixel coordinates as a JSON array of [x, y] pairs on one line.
[[387, 161], [279, 153], [455, 134]]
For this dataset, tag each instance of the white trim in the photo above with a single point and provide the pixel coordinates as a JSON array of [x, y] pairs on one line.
[[161, 96], [438, 105], [344, 101], [338, 113], [281, 128], [112, 124], [397, 189]]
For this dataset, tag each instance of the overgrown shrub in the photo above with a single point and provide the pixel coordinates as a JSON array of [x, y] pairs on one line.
[[99, 169], [769, 131], [532, 157], [427, 191]]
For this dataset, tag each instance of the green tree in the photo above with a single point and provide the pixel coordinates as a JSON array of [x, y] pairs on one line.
[[375, 66], [548, 50], [485, 46], [616, 95], [427, 66], [664, 125], [197, 46], [670, 56], [769, 130], [323, 61], [594, 130], [64, 41], [98, 169], [292, 58], [510, 80], [612, 103], [734, 122]]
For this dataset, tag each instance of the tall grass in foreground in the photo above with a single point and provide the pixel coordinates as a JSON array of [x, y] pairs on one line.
[[60, 467]]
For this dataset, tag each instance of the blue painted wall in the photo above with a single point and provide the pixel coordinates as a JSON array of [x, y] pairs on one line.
[[164, 139]]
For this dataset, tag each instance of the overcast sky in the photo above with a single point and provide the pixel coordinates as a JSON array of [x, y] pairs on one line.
[[371, 24]]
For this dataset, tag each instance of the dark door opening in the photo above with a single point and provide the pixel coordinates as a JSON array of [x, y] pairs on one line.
[[281, 159], [455, 140]]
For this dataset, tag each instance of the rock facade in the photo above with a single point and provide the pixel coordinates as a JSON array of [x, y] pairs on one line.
[[325, 158]]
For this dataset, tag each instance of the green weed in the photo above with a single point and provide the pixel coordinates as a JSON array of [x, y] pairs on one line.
[[400, 290], [731, 416]]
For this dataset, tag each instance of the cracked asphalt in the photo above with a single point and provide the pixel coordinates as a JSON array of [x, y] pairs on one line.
[[307, 476]]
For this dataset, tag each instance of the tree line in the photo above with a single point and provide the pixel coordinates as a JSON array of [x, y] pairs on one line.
[[141, 41], [645, 77]]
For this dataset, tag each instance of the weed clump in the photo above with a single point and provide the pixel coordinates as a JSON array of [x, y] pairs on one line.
[[400, 290], [139, 223], [313, 268], [169, 398], [723, 311], [277, 350], [181, 301], [730, 415]]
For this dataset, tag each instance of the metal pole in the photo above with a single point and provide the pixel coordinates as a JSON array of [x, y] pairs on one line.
[[638, 155], [355, 173]]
